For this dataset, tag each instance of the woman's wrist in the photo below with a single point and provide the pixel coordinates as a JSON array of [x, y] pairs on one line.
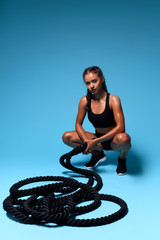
[[95, 140], [85, 139]]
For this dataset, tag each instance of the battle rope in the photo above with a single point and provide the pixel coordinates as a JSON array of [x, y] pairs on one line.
[[44, 206]]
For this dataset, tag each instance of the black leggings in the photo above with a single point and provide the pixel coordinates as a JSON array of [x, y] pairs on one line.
[[106, 144]]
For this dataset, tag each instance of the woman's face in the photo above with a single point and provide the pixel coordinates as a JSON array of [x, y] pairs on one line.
[[93, 82]]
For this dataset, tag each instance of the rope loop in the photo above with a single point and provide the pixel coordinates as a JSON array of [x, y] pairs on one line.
[[58, 202]]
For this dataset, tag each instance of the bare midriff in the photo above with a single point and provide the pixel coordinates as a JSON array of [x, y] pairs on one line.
[[104, 130]]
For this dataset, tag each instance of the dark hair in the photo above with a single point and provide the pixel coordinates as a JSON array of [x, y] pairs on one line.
[[97, 70]]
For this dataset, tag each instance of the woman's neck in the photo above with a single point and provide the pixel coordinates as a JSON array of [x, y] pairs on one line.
[[99, 96]]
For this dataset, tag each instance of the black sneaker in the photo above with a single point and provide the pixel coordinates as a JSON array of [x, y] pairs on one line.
[[96, 159], [121, 167]]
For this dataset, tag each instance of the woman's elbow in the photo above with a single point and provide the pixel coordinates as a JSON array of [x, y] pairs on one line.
[[77, 125], [121, 128]]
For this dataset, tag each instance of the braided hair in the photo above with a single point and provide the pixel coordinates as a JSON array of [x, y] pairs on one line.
[[97, 70]]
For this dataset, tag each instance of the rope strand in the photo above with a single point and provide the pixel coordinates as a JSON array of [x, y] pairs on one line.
[[43, 206]]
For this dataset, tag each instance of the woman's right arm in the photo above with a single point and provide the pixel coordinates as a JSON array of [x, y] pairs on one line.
[[80, 117]]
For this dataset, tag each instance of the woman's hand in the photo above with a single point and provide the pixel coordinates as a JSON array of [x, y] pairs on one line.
[[91, 144]]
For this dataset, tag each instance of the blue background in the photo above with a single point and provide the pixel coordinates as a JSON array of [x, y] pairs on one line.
[[44, 48]]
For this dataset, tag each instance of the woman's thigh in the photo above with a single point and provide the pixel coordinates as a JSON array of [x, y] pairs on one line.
[[71, 137]]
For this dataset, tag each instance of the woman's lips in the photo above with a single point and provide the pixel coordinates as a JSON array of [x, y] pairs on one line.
[[93, 90]]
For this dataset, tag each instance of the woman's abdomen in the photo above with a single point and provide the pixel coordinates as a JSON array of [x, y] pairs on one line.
[[104, 130]]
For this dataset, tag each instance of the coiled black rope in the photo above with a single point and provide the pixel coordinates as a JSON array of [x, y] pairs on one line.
[[57, 202]]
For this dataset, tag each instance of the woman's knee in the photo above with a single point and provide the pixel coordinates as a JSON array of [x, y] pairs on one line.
[[70, 138], [67, 137], [122, 139]]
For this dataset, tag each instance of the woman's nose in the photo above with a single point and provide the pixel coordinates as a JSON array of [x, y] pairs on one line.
[[91, 85]]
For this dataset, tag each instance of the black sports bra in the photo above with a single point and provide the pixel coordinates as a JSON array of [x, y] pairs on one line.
[[104, 119]]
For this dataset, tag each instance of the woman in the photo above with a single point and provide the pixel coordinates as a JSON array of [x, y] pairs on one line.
[[106, 114]]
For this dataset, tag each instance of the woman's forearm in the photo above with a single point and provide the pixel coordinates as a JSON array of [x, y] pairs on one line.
[[81, 132]]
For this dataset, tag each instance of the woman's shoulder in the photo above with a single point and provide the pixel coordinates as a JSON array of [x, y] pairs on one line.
[[114, 97], [83, 101], [114, 100]]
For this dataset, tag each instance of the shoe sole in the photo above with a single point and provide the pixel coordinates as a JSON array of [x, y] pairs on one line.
[[121, 174], [101, 160]]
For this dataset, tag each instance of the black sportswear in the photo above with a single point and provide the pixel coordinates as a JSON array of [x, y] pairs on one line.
[[104, 119]]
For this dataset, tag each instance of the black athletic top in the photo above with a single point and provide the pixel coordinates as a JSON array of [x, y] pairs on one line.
[[103, 120]]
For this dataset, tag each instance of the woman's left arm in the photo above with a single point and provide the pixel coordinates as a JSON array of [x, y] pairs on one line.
[[116, 107]]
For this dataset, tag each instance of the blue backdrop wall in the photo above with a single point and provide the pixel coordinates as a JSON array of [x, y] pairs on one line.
[[44, 48]]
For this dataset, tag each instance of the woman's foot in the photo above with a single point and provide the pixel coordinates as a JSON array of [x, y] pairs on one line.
[[121, 167], [95, 160]]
